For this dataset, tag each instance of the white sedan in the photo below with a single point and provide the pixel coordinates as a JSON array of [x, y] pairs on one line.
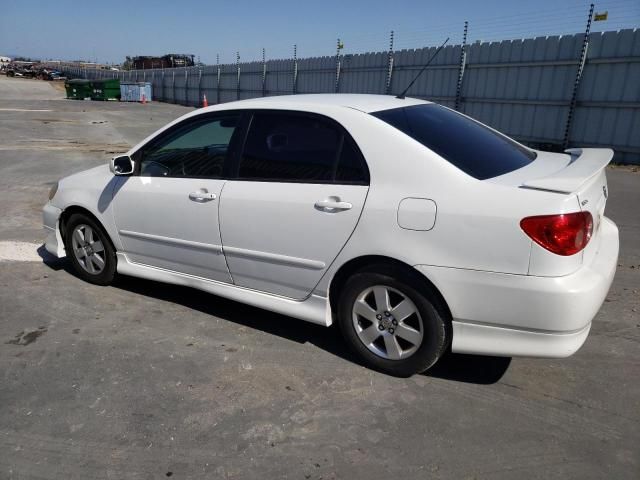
[[413, 227]]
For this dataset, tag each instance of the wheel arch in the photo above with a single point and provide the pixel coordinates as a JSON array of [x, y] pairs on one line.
[[384, 264], [73, 209]]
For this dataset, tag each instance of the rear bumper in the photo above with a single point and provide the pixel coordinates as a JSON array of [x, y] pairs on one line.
[[50, 221], [523, 315]]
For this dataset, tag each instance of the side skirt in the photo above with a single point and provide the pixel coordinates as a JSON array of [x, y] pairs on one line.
[[314, 309]]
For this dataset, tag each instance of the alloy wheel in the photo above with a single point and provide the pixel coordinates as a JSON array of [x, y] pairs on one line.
[[387, 322], [88, 249]]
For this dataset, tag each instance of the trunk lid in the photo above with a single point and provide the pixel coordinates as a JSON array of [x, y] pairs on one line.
[[585, 177], [585, 165], [581, 174]]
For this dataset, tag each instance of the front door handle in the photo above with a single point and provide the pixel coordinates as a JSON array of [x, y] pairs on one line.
[[202, 196], [332, 205]]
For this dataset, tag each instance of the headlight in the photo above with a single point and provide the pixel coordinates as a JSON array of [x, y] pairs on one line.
[[52, 192]]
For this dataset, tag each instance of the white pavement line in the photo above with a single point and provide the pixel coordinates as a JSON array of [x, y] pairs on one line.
[[19, 252], [22, 110]]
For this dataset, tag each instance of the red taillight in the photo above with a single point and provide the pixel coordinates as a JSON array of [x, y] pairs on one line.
[[564, 234]]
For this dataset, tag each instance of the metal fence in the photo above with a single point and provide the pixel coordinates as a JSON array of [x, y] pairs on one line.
[[550, 92]]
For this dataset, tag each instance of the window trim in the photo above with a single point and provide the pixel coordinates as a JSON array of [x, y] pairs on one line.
[[344, 136], [237, 139]]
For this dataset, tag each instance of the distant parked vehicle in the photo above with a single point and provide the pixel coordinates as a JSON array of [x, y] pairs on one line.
[[21, 69], [50, 75], [412, 226]]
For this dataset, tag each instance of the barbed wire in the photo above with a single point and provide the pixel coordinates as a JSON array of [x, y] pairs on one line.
[[567, 18]]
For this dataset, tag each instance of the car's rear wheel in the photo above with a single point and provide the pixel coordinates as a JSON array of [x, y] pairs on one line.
[[392, 322], [90, 250]]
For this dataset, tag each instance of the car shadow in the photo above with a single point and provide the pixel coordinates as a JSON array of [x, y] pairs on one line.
[[478, 369], [455, 367], [53, 262]]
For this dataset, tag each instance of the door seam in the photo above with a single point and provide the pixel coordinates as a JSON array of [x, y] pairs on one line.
[[220, 230]]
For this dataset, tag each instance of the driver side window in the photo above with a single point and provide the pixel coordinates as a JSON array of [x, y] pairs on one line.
[[196, 149]]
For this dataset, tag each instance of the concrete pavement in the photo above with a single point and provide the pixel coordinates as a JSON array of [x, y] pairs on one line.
[[144, 381]]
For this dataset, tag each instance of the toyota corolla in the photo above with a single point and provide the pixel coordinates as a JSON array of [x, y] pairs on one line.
[[413, 227]]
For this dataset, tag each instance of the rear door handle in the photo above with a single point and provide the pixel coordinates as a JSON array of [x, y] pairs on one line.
[[332, 205], [202, 196]]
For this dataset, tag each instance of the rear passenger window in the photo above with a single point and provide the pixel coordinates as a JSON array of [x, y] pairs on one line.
[[351, 166], [299, 148]]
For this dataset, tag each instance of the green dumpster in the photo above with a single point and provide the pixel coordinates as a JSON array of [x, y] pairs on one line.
[[78, 88], [105, 89]]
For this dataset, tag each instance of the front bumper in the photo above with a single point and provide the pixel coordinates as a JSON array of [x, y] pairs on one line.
[[524, 315], [51, 223]]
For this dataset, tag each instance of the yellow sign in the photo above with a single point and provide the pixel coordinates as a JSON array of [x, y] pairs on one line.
[[599, 17]]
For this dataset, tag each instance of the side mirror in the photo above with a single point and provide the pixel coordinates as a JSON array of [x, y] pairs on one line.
[[122, 165]]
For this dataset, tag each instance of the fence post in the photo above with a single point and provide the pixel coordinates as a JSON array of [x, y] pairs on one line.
[[295, 69], [218, 77], [199, 86], [463, 62], [164, 97], [264, 73], [238, 78], [576, 83], [186, 86], [173, 86], [389, 65], [338, 47]]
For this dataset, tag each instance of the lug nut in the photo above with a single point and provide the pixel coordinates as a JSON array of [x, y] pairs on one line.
[[379, 317], [391, 330], [387, 314], [395, 322], [380, 327]]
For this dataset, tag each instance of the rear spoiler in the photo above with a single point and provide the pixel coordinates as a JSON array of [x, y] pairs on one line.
[[585, 164]]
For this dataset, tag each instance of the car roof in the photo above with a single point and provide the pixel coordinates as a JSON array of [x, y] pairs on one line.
[[363, 102]]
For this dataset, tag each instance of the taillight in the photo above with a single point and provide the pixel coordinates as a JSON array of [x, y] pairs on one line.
[[564, 234]]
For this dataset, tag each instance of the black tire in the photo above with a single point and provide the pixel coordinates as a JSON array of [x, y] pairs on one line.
[[106, 275], [435, 324]]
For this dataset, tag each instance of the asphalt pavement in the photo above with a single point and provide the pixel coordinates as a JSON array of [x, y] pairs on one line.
[[142, 380]]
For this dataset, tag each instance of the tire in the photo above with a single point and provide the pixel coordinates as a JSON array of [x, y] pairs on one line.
[[95, 260], [410, 352]]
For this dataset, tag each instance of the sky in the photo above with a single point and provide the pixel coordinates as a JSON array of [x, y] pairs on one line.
[[109, 30]]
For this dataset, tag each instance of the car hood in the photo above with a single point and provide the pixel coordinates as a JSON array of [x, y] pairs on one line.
[[94, 177]]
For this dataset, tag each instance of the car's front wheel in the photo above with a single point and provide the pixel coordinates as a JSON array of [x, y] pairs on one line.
[[392, 322], [90, 250]]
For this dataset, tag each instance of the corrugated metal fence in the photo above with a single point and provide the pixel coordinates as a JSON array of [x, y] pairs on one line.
[[520, 87]]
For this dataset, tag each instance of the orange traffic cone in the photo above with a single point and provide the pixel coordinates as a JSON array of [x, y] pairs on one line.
[[144, 99], [204, 101]]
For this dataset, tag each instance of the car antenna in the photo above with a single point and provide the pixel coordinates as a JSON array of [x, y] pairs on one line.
[[401, 96]]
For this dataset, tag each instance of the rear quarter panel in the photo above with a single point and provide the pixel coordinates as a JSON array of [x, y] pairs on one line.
[[477, 224]]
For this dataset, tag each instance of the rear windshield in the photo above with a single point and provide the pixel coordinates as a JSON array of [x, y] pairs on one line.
[[467, 144]]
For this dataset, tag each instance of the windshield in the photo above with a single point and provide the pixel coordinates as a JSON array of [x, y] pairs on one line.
[[465, 143]]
